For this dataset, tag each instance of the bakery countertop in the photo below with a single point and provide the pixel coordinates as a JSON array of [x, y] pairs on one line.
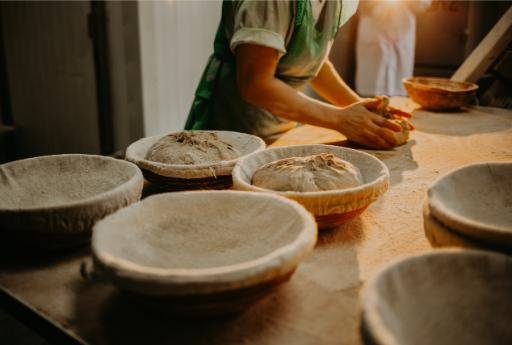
[[319, 305]]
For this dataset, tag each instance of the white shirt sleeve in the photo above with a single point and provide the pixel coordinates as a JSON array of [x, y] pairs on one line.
[[268, 23]]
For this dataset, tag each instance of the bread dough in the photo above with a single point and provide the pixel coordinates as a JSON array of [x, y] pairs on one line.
[[384, 111], [403, 136], [191, 148], [313, 173]]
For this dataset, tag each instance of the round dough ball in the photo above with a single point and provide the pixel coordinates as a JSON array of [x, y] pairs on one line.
[[403, 136], [191, 148], [314, 173], [384, 110]]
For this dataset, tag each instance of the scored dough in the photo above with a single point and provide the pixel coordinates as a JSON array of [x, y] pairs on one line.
[[313, 173], [191, 148]]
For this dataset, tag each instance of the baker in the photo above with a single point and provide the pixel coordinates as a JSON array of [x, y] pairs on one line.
[[264, 54]]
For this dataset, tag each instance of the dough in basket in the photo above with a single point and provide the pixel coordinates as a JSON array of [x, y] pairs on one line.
[[191, 148], [313, 173]]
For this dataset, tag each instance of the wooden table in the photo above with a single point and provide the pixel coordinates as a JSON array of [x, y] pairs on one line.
[[320, 303]]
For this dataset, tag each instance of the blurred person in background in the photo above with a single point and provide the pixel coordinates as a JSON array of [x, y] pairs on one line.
[[385, 45]]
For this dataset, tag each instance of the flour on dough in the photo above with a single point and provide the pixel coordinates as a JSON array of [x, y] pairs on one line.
[[191, 148], [319, 172]]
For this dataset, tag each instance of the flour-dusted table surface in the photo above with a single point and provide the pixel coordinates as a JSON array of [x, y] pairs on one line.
[[320, 304]]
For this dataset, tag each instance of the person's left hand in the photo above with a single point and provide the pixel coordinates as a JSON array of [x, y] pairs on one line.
[[380, 104]]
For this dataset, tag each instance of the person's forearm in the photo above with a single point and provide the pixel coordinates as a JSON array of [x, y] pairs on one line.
[[257, 85], [282, 100], [330, 86], [354, 121]]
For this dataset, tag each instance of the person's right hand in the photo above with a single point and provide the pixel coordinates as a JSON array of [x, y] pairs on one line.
[[362, 126]]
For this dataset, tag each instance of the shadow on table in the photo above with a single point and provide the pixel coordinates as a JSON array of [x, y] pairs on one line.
[[318, 305], [126, 323], [465, 122], [366, 335], [398, 160], [350, 232], [105, 315], [120, 321], [16, 257]]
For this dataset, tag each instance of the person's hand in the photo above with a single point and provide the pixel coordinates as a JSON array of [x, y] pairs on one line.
[[380, 104], [362, 126]]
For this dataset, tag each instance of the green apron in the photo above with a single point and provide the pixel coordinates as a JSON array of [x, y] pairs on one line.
[[217, 103]]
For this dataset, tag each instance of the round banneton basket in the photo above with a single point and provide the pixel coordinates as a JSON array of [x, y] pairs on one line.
[[475, 201], [332, 207], [441, 297], [215, 252], [53, 201], [440, 93], [176, 177], [441, 236]]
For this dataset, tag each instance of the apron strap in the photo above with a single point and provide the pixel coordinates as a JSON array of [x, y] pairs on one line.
[[301, 10]]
